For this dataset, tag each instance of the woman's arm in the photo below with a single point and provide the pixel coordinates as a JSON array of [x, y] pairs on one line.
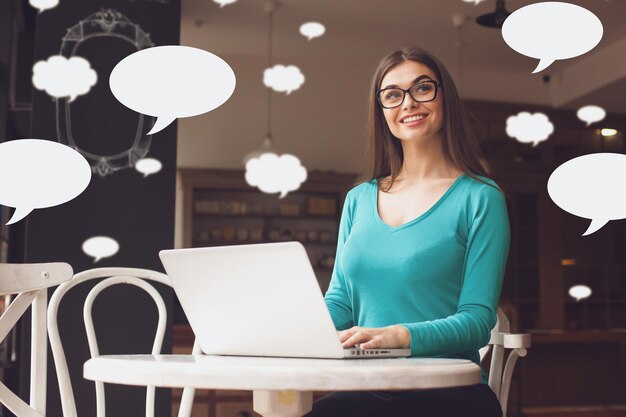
[[337, 298], [487, 250]]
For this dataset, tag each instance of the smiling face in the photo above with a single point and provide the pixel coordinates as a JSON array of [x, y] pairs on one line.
[[412, 120]]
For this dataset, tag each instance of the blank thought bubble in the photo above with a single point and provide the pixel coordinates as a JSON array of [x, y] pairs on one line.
[[312, 30], [223, 3], [273, 173], [591, 114], [283, 79], [43, 5], [591, 186], [148, 166], [579, 292], [529, 128], [552, 30], [36, 173], [172, 81], [63, 77], [100, 247]]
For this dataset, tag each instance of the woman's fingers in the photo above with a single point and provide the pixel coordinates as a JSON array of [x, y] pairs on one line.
[[357, 338], [346, 334], [371, 344]]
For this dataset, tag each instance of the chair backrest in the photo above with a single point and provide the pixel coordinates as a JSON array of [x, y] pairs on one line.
[[29, 283], [501, 372], [109, 277]]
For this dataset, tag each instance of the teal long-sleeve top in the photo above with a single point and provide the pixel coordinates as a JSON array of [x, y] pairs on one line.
[[439, 275]]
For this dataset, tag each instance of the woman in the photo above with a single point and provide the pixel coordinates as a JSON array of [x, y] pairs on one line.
[[422, 246]]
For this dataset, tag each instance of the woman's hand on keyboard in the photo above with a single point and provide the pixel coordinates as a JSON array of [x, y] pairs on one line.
[[390, 337]]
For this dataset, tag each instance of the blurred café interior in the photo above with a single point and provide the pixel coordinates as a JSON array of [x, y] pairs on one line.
[[199, 196]]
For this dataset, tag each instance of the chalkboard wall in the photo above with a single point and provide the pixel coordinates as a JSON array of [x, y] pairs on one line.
[[119, 202]]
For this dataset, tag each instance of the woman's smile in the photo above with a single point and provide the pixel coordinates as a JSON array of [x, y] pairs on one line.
[[414, 119]]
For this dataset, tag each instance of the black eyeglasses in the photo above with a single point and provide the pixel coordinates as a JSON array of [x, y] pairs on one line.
[[421, 92]]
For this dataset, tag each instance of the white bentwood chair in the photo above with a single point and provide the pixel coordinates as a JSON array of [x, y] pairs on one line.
[[112, 276], [30, 282], [500, 372]]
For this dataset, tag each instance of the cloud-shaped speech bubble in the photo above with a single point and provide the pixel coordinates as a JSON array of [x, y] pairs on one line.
[[273, 173], [591, 186], [62, 77], [36, 173], [172, 81], [579, 292], [223, 3], [552, 30], [529, 128], [591, 114], [43, 5], [148, 166], [312, 30], [283, 79], [100, 247]]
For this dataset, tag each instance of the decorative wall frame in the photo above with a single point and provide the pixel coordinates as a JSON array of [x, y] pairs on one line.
[[105, 23]]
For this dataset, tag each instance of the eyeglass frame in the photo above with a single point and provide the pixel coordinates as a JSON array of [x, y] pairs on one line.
[[404, 93]]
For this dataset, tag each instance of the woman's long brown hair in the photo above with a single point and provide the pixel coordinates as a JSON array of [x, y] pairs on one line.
[[460, 146]]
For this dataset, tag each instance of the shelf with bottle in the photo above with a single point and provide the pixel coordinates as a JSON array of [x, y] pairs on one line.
[[241, 203], [223, 242], [268, 216], [251, 233]]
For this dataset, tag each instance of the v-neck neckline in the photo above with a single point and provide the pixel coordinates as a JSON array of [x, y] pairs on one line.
[[418, 218]]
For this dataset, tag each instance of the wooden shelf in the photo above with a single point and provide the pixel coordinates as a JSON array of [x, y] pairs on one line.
[[269, 216], [198, 242]]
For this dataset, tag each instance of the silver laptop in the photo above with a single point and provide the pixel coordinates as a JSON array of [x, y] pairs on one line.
[[257, 300]]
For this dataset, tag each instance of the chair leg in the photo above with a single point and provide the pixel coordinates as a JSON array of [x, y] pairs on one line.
[[507, 376], [186, 402], [39, 349]]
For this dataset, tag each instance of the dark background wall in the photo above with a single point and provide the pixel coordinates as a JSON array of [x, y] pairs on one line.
[[137, 212]]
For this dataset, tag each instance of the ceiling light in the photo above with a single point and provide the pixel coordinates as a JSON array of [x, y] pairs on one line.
[[608, 132], [568, 262], [495, 19]]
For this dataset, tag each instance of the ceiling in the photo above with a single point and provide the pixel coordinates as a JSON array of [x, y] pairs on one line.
[[362, 31]]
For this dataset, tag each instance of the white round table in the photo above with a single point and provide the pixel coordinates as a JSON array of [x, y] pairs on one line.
[[282, 387]]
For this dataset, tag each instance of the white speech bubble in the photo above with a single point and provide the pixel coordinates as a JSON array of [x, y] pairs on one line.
[[172, 81], [148, 166], [272, 173], [62, 77], [37, 173], [100, 247], [591, 114], [312, 30], [552, 30], [591, 186], [476, 2], [43, 5], [223, 3], [579, 292], [283, 79], [529, 128]]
